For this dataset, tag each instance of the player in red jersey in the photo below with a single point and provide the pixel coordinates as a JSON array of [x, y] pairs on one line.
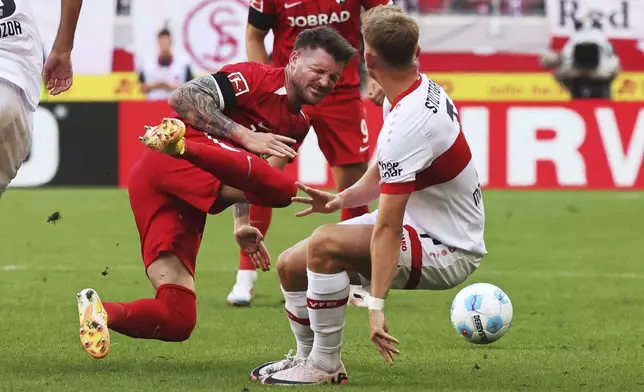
[[338, 121], [191, 171]]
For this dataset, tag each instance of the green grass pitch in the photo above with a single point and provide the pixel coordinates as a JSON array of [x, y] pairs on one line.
[[571, 262]]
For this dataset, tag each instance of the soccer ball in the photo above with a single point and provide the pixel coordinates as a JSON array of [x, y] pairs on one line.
[[481, 313]]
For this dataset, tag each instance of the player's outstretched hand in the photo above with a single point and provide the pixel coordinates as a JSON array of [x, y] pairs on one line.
[[320, 201], [380, 335], [375, 92], [58, 74], [251, 241], [268, 143]]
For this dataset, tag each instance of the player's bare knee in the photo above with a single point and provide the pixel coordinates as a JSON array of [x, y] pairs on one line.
[[291, 268], [324, 246], [283, 268], [168, 269]]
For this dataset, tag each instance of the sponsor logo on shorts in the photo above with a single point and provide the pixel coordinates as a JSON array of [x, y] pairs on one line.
[[403, 244]]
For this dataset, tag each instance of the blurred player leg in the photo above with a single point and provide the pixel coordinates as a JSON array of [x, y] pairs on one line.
[[242, 292], [15, 132], [332, 250]]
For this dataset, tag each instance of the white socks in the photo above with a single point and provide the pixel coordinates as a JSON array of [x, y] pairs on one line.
[[327, 298], [246, 278], [298, 317]]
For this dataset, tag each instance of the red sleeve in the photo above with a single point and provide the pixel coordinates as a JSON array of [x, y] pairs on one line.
[[241, 77], [300, 134], [262, 14], [367, 4]]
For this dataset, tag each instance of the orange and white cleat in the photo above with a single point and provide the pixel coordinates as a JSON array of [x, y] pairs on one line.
[[167, 137], [94, 334]]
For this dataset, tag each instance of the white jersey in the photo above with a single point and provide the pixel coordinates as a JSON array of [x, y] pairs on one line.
[[422, 150], [21, 49]]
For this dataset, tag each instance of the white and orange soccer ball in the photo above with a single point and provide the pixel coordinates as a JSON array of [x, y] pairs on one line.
[[481, 313]]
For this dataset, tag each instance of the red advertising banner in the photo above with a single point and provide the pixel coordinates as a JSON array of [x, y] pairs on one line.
[[579, 145], [582, 144]]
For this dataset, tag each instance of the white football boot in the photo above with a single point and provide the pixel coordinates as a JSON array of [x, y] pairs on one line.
[[240, 296], [272, 367], [242, 292], [305, 373]]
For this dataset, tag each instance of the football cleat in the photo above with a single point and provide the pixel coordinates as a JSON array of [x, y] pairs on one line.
[[305, 373], [358, 296], [240, 296], [94, 334], [167, 137], [268, 368]]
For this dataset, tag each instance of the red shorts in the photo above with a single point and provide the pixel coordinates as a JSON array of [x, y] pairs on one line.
[[340, 125], [170, 199]]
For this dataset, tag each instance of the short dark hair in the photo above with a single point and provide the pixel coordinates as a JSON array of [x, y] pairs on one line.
[[164, 32], [327, 39]]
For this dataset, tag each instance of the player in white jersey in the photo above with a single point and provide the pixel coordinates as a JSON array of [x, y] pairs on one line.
[[21, 74], [426, 234]]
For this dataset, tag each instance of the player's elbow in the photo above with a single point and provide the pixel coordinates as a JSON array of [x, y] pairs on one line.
[[173, 101]]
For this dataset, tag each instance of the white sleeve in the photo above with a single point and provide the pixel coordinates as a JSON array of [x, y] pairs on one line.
[[404, 154]]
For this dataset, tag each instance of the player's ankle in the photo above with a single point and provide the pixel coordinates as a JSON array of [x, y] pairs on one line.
[[326, 359], [246, 278]]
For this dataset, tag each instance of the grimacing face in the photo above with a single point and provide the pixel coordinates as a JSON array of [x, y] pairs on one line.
[[315, 74]]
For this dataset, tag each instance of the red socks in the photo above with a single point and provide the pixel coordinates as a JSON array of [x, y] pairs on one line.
[[263, 184], [260, 217], [348, 213], [170, 317]]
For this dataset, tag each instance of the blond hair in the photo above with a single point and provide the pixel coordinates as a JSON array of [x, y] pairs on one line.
[[392, 34]]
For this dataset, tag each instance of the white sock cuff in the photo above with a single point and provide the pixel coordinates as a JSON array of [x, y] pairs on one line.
[[297, 298], [327, 283], [247, 276]]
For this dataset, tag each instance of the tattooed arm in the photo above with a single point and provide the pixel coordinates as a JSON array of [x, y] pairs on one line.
[[241, 215], [249, 238], [200, 103]]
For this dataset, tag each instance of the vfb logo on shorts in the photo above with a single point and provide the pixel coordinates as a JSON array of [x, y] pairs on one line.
[[389, 169]]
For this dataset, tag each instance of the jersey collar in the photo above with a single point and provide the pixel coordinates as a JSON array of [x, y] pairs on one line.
[[408, 91]]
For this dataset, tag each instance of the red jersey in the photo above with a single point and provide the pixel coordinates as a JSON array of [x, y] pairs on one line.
[[253, 95], [287, 18]]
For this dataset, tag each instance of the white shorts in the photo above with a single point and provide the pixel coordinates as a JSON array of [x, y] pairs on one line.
[[16, 121], [425, 263]]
